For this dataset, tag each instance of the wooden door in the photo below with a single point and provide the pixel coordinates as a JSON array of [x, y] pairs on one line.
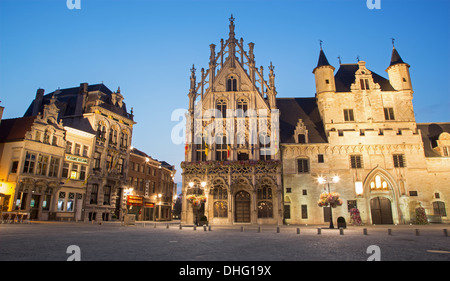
[[381, 210], [242, 207]]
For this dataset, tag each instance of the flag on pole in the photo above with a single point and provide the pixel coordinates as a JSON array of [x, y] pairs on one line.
[[206, 149], [228, 151]]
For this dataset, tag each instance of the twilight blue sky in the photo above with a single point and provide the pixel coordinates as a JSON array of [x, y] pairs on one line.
[[148, 46]]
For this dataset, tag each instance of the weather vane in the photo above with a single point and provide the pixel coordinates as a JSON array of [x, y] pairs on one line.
[[320, 43]]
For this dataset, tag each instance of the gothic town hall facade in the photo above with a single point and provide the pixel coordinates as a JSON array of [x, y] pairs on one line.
[[253, 157]]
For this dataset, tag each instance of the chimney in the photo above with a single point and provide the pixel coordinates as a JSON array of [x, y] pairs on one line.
[[37, 104], [81, 97]]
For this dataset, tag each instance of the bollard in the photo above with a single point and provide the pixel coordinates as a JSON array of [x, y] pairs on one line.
[[278, 229], [259, 228], [242, 229], [181, 226], [167, 226], [365, 231], [195, 227], [417, 232], [389, 231], [209, 228], [341, 231], [143, 225], [319, 230], [298, 230], [154, 226], [445, 232]]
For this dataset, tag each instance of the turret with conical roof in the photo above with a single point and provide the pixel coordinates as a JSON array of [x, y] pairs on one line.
[[398, 72], [324, 75]]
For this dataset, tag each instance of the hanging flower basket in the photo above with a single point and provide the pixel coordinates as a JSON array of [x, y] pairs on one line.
[[330, 199], [196, 201]]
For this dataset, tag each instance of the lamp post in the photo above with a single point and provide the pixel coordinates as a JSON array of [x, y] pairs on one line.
[[160, 203], [324, 180]]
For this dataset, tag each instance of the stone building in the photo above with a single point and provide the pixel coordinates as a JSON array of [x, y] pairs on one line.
[[357, 136], [150, 187], [232, 173], [93, 110], [360, 128], [32, 153]]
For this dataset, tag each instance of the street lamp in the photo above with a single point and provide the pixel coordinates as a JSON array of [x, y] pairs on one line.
[[324, 180], [159, 212]]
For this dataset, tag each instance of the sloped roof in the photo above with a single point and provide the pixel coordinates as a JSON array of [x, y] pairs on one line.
[[430, 134], [345, 77], [66, 100], [293, 109], [395, 58], [15, 129]]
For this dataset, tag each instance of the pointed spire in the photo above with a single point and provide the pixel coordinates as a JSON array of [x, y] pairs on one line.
[[395, 58], [232, 26], [322, 59]]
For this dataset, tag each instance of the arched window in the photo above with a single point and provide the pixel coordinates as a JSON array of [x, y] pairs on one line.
[[378, 183], [242, 107], [220, 197], [265, 206], [265, 209], [231, 84], [101, 131], [221, 106]]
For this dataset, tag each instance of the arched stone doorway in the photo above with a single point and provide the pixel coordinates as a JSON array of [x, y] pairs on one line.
[[381, 210], [242, 212]]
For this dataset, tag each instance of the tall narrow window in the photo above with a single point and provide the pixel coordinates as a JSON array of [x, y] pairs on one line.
[[30, 162], [200, 149], [69, 147], [42, 165], [389, 113], [94, 194], [399, 160], [221, 149], [54, 167], [302, 165], [242, 107], [264, 147], [106, 195], [231, 84], [348, 115], [222, 107]]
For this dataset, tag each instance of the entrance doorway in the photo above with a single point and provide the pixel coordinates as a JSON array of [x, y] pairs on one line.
[[380, 208], [242, 207], [34, 206], [199, 213]]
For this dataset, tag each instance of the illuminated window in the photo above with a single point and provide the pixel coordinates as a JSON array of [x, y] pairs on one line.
[[378, 184], [74, 173]]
